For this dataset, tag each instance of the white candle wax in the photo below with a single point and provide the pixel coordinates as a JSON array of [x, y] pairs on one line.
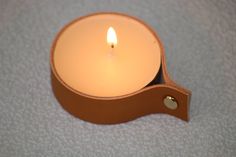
[[85, 61]]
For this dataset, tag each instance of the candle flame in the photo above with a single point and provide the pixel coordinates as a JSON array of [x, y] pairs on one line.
[[111, 37]]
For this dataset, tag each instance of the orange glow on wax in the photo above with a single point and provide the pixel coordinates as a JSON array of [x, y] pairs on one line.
[[107, 55]]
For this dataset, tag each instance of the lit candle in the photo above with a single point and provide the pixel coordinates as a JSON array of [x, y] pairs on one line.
[[106, 55]]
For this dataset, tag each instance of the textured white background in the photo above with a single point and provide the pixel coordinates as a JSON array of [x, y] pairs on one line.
[[200, 42]]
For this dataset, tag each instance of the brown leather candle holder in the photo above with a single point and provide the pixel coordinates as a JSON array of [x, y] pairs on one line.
[[162, 95]]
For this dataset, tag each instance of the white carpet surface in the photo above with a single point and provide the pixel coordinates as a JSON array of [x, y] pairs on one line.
[[200, 42]]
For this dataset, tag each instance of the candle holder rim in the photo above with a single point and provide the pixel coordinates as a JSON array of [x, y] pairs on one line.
[[112, 97]]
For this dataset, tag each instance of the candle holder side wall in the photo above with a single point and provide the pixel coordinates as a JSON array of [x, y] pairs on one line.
[[167, 97]]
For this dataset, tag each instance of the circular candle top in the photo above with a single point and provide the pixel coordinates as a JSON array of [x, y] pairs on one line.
[[86, 62]]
